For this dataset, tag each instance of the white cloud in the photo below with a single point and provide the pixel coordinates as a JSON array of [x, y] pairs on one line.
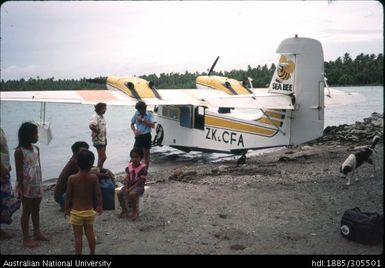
[[73, 39]]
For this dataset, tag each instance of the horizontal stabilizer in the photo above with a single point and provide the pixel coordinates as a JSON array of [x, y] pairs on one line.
[[335, 97]]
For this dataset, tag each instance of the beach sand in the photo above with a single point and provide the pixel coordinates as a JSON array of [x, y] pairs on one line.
[[287, 202]]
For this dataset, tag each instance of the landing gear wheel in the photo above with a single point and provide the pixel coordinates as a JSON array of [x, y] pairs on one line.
[[158, 136], [242, 159]]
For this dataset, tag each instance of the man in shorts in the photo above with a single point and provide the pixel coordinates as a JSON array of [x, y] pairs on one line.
[[99, 132], [141, 124]]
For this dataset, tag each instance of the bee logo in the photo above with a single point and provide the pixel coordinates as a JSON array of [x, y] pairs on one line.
[[285, 68]]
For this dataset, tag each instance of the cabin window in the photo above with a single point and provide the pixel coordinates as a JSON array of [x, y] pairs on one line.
[[171, 112], [199, 117], [185, 116]]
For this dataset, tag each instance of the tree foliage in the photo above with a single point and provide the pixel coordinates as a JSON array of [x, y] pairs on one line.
[[363, 70]]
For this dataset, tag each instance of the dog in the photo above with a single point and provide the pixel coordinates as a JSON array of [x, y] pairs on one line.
[[357, 159]]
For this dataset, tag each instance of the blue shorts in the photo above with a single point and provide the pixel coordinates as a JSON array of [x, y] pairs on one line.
[[143, 141]]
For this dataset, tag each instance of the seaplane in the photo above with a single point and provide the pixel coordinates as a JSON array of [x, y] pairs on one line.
[[212, 117]]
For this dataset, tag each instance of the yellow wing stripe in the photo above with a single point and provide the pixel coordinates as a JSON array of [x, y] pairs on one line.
[[267, 121], [274, 114], [276, 118], [238, 126]]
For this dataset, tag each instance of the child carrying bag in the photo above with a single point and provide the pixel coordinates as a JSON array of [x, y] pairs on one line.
[[362, 227]]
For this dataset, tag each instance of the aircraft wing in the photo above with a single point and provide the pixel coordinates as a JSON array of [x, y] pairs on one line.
[[110, 97], [217, 98], [210, 98], [168, 97]]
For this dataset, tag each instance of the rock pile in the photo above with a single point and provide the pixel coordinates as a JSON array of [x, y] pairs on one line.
[[362, 132]]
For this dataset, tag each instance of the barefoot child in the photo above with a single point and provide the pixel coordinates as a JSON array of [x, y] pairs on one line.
[[29, 182], [81, 188], [134, 184]]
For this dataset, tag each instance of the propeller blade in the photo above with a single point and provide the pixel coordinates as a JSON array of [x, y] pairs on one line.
[[212, 67]]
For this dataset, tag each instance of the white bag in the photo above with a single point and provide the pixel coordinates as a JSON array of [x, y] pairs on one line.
[[45, 133]]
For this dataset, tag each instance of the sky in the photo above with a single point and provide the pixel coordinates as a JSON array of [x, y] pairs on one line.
[[76, 39]]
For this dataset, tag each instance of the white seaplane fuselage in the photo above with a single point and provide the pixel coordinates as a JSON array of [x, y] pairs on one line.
[[205, 129]]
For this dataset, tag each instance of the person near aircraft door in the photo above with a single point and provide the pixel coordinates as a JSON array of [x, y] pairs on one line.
[[99, 132], [141, 124]]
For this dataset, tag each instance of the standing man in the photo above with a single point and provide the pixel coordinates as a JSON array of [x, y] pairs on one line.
[[99, 132], [141, 124]]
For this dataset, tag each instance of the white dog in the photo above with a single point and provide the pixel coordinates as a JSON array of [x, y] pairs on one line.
[[357, 159]]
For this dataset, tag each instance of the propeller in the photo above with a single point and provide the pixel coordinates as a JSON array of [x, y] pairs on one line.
[[212, 67]]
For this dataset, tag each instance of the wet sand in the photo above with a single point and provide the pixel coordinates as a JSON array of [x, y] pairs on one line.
[[287, 202]]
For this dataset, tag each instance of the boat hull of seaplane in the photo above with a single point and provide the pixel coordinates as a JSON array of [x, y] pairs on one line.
[[190, 128]]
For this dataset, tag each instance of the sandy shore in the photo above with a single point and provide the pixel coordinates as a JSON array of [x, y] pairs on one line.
[[286, 202]]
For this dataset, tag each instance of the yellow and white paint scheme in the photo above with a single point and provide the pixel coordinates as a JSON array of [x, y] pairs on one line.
[[221, 126], [140, 88], [212, 118], [227, 85]]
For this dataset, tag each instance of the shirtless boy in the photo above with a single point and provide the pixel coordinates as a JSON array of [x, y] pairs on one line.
[[81, 188]]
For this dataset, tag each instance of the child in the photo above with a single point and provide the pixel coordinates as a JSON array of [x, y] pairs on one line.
[[29, 182], [134, 184], [81, 188]]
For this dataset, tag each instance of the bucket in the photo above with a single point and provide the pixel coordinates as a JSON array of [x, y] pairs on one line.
[[145, 198], [107, 189]]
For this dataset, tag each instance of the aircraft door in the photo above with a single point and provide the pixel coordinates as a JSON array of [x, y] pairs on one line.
[[199, 117]]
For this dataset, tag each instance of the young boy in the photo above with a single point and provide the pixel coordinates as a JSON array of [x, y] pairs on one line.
[[81, 188]]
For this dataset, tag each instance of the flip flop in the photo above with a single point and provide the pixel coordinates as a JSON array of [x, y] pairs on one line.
[[41, 237], [30, 243]]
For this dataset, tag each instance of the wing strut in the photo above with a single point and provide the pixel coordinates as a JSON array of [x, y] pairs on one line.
[[43, 127], [42, 112], [271, 120]]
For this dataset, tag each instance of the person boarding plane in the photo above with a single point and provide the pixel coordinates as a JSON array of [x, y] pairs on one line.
[[289, 112]]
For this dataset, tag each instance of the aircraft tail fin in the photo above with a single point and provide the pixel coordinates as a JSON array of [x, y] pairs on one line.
[[284, 76], [299, 74]]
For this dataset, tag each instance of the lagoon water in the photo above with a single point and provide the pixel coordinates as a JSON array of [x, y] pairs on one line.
[[69, 123]]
